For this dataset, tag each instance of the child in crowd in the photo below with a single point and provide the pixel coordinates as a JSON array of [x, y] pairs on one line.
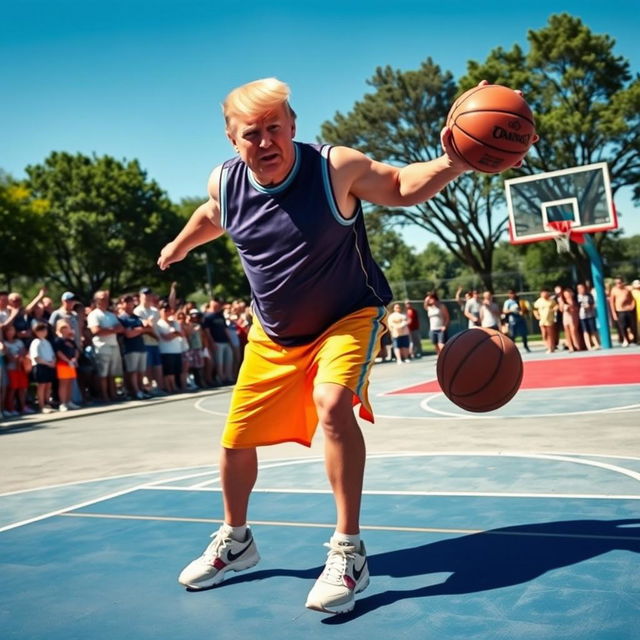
[[44, 366], [15, 353], [66, 363]]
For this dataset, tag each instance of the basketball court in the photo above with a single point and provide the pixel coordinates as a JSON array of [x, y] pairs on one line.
[[522, 523]]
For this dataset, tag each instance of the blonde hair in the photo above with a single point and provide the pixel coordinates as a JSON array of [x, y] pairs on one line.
[[257, 98]]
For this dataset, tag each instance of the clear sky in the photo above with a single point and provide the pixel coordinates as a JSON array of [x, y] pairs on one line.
[[144, 78]]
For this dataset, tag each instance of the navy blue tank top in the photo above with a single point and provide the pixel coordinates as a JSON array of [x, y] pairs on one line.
[[307, 265]]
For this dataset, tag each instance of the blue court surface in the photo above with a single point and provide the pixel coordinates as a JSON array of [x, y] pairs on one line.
[[508, 542], [540, 547]]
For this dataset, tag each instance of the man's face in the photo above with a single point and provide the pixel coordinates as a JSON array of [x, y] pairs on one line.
[[265, 144], [68, 305], [129, 306], [619, 283], [4, 300], [102, 300]]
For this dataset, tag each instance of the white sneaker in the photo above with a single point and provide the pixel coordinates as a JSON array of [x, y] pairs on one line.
[[63, 407], [345, 574], [223, 554]]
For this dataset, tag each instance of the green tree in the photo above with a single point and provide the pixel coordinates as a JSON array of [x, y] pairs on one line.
[[106, 223], [587, 107], [585, 99], [22, 233]]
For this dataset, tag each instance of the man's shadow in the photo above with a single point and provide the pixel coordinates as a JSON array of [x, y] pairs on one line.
[[484, 561]]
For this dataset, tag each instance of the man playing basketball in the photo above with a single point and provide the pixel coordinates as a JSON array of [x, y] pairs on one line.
[[293, 211]]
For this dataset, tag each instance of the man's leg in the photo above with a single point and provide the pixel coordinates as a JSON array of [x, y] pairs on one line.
[[344, 452], [238, 473], [233, 547], [346, 572]]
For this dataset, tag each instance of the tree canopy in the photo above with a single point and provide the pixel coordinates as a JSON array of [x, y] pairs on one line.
[[587, 107]]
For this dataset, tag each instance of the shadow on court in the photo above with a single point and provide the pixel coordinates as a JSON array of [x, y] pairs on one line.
[[484, 561]]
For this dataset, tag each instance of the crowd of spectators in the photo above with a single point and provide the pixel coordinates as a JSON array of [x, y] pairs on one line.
[[140, 345], [134, 347]]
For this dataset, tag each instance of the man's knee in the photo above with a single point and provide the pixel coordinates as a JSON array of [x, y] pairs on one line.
[[334, 406]]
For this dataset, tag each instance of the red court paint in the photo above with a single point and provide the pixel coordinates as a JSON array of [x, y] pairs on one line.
[[565, 372]]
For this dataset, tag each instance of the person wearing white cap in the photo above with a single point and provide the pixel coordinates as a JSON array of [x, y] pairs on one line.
[[66, 312]]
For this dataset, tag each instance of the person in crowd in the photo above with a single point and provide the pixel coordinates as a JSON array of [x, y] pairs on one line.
[[398, 324], [47, 309], [439, 319], [5, 309], [587, 317], [21, 315], [66, 311], [415, 349], [180, 319], [570, 319], [489, 312], [544, 310], [230, 319], [105, 328], [135, 352], [18, 364], [512, 311], [471, 309], [170, 348], [149, 314], [43, 359], [635, 292], [215, 323], [293, 211], [623, 311], [3, 374], [196, 346], [66, 351]]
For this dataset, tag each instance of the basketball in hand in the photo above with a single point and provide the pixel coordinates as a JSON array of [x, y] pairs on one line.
[[492, 127]]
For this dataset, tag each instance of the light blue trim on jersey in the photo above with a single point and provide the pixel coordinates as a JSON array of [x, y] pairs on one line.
[[326, 178], [283, 185], [223, 197], [371, 349]]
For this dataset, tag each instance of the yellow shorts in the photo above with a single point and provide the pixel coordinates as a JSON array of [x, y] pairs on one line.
[[273, 398]]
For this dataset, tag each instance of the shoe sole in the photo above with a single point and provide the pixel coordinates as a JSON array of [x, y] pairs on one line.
[[345, 607], [219, 577]]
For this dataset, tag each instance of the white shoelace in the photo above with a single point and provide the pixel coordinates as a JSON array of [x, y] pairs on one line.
[[219, 542], [337, 560]]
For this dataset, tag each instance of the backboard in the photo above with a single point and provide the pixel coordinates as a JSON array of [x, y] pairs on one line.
[[580, 195]]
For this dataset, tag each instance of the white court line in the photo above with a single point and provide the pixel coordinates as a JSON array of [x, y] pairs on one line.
[[460, 494], [101, 479], [214, 413], [366, 527], [425, 406], [561, 457]]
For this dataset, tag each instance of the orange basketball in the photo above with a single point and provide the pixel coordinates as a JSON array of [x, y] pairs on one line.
[[492, 127], [480, 369]]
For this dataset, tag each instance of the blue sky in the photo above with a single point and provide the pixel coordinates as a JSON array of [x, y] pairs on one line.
[[144, 78]]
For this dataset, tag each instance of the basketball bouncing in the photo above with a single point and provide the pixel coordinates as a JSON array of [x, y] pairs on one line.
[[480, 369], [492, 127]]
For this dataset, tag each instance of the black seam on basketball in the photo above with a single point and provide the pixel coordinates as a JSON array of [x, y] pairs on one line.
[[486, 144], [511, 113], [441, 361], [473, 165], [473, 93], [506, 397], [487, 336]]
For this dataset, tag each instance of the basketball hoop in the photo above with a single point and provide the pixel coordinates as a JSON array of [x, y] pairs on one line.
[[563, 235]]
